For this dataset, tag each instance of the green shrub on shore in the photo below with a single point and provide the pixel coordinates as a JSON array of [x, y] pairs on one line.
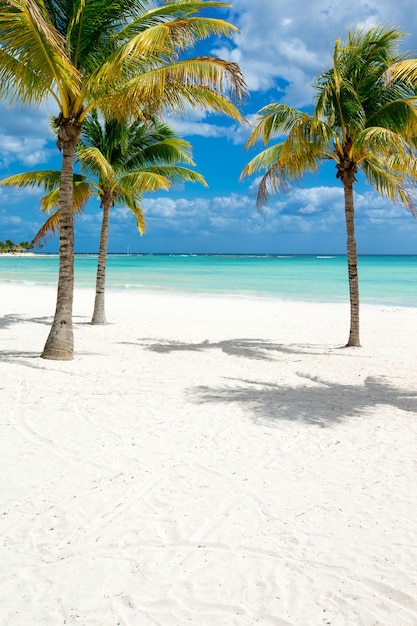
[[10, 246]]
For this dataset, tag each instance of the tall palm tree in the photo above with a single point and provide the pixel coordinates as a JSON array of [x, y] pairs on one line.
[[123, 161], [129, 159], [364, 119], [125, 57]]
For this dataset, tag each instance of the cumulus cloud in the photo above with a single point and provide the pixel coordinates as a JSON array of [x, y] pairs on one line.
[[19, 228], [25, 137], [283, 45], [13, 195], [203, 124], [309, 210]]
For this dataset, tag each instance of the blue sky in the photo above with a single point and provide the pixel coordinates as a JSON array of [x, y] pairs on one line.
[[282, 45]]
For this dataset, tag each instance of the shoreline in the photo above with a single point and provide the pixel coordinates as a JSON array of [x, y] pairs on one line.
[[138, 292], [318, 255], [23, 254], [209, 461]]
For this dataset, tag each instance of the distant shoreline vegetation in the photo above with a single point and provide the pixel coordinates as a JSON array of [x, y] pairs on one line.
[[9, 246]]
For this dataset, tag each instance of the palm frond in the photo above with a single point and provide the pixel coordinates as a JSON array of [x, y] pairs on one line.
[[50, 202], [33, 62], [141, 182], [135, 206], [50, 227], [404, 70], [94, 162], [273, 119], [176, 174], [82, 192], [263, 160], [272, 181], [48, 179], [392, 185], [202, 82], [164, 40], [147, 13], [382, 142], [307, 143], [170, 150], [159, 33], [398, 114]]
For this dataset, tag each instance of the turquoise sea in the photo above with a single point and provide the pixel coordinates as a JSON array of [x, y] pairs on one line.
[[390, 280]]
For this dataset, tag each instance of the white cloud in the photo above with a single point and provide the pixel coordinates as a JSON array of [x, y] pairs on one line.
[[25, 137], [12, 220], [162, 207], [292, 40], [19, 228], [120, 214], [317, 199], [13, 195], [197, 123], [30, 152], [310, 210]]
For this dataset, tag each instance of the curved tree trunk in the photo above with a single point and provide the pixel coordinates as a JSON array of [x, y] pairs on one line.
[[60, 343], [352, 266], [99, 315]]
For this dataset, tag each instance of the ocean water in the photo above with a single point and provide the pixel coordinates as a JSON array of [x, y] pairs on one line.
[[389, 280]]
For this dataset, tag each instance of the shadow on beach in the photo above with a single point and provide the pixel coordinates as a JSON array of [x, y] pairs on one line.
[[9, 320], [313, 401], [21, 357], [258, 349], [13, 318], [317, 402]]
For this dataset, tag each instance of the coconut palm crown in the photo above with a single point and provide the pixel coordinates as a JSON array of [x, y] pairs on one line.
[[364, 119], [125, 57]]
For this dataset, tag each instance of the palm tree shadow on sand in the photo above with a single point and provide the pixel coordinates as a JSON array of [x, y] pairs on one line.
[[26, 357], [258, 349], [317, 402], [7, 321], [313, 401]]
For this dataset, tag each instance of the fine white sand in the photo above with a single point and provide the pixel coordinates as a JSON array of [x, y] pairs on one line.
[[207, 461]]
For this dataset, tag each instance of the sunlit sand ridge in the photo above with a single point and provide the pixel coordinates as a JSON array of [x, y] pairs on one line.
[[207, 461]]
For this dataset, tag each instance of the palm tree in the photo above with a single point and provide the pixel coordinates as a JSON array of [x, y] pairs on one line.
[[122, 56], [364, 119], [129, 159], [123, 160]]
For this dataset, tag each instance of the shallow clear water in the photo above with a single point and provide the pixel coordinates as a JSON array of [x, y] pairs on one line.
[[388, 280]]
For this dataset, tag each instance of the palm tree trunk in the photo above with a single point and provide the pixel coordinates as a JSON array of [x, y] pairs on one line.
[[60, 343], [99, 315], [352, 257]]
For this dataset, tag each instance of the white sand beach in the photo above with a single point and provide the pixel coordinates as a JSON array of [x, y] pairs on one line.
[[210, 461]]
